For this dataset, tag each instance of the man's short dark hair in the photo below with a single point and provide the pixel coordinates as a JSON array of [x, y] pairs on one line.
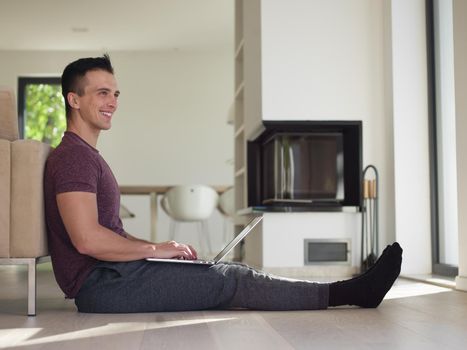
[[74, 73]]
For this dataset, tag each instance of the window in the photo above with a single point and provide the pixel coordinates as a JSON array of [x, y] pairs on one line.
[[442, 137], [41, 109]]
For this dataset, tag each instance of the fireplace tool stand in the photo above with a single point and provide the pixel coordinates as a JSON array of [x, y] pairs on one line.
[[369, 219]]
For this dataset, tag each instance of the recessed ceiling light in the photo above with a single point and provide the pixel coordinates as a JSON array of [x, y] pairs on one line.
[[79, 29]]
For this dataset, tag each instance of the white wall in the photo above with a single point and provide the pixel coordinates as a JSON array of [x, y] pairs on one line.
[[321, 59], [174, 119], [171, 124]]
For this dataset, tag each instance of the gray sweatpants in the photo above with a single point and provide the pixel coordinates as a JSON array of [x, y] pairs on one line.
[[142, 286]]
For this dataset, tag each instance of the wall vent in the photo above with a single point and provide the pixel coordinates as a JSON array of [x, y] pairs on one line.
[[327, 251]]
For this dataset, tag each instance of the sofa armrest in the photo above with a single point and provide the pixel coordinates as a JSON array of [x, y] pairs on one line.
[[28, 234]]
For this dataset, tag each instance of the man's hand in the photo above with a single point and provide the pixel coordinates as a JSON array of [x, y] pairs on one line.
[[172, 249]]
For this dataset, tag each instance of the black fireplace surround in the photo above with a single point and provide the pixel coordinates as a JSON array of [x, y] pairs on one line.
[[305, 165]]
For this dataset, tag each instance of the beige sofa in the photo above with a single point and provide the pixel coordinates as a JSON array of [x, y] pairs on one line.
[[23, 238]]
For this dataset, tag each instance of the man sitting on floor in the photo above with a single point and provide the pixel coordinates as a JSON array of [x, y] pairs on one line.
[[104, 268]]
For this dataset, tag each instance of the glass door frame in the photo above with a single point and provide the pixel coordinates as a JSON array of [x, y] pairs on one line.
[[438, 268]]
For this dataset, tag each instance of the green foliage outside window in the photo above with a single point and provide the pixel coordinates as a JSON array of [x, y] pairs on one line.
[[45, 118]]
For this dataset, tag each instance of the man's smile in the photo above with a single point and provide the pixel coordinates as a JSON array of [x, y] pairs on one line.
[[106, 114]]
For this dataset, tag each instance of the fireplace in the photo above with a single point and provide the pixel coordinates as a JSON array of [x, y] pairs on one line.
[[305, 165]]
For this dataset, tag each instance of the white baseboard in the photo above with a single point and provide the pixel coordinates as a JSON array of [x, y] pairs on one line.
[[461, 283]]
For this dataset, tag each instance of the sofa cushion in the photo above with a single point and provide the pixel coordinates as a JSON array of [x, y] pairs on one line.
[[4, 199], [27, 226], [8, 117]]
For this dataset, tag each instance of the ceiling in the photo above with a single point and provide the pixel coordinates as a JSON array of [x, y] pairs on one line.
[[156, 25]]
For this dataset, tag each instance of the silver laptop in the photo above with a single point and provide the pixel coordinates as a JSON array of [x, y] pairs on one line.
[[223, 253]]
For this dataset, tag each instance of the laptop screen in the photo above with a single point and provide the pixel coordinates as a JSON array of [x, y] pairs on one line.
[[238, 238]]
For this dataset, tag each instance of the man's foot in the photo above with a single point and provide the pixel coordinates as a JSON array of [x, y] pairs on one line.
[[385, 251], [369, 289]]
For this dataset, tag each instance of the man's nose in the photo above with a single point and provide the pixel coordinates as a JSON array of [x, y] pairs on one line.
[[113, 102]]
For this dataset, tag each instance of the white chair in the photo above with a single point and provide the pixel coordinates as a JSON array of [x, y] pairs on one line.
[[227, 209], [191, 203]]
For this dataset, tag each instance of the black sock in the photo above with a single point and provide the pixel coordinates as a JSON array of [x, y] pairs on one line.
[[385, 251], [369, 289]]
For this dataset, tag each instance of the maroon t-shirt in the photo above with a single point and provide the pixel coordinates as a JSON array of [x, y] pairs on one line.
[[76, 166]]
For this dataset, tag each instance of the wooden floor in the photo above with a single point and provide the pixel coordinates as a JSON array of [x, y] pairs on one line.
[[413, 316]]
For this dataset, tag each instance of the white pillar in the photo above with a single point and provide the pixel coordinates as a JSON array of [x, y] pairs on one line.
[[410, 121], [460, 73]]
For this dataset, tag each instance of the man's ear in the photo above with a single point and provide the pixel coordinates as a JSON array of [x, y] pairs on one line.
[[72, 100]]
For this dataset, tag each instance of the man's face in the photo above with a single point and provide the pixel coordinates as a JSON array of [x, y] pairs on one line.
[[99, 100]]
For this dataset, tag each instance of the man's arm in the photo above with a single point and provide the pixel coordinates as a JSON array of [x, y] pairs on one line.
[[79, 214], [133, 238]]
